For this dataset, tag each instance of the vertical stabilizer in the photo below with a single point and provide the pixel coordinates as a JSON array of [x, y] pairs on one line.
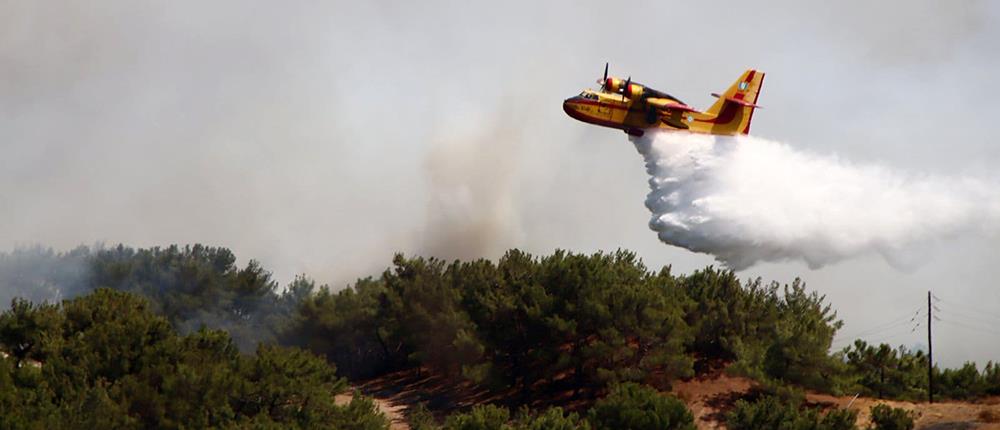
[[734, 109]]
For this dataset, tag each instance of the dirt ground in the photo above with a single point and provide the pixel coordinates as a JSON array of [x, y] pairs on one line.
[[708, 397], [931, 416], [392, 410]]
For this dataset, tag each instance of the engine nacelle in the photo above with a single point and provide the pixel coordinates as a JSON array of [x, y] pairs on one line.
[[631, 90], [613, 85]]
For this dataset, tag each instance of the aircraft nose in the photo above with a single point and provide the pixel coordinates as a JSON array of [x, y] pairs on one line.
[[568, 105], [572, 108]]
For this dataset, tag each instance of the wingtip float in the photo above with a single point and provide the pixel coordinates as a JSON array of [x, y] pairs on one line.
[[635, 108]]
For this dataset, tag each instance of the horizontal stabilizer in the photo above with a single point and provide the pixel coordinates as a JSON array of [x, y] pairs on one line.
[[740, 102]]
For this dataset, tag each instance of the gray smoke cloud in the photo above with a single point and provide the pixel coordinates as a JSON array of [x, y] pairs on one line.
[[321, 137], [747, 200], [472, 208], [43, 275]]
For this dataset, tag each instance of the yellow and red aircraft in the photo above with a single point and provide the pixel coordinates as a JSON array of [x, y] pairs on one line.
[[634, 108]]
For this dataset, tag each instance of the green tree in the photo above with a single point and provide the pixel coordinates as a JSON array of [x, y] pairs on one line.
[[635, 407], [718, 311], [552, 419], [885, 372], [345, 327], [426, 315], [961, 383], [801, 338], [106, 361], [195, 286], [615, 320], [482, 417], [991, 378], [26, 329], [288, 385]]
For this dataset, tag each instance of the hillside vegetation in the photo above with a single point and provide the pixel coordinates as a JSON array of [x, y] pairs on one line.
[[154, 338]]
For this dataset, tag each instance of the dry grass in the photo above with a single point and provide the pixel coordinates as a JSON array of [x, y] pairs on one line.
[[989, 416]]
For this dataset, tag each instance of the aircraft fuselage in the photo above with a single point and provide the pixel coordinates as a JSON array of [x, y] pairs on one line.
[[635, 108]]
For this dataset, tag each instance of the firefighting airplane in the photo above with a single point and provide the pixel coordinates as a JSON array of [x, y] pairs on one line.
[[634, 108]]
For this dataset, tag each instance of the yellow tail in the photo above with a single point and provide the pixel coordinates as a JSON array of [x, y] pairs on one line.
[[734, 109]]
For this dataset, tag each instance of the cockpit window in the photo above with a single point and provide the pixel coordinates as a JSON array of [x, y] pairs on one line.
[[588, 95]]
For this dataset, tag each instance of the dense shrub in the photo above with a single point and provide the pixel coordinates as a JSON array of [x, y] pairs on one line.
[[552, 419], [104, 360], [885, 417], [769, 412], [360, 414], [839, 419], [634, 407], [420, 418], [988, 416], [627, 407], [484, 417]]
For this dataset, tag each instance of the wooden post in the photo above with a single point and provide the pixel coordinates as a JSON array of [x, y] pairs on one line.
[[930, 352]]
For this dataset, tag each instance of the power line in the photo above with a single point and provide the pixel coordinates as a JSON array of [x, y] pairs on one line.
[[967, 307], [838, 344], [973, 319], [893, 336], [909, 316], [896, 322], [876, 330], [970, 327]]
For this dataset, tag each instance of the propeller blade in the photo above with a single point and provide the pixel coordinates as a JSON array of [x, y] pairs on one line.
[[604, 81], [626, 87]]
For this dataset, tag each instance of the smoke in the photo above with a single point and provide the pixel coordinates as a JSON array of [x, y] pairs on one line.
[[40, 274], [746, 200], [471, 207]]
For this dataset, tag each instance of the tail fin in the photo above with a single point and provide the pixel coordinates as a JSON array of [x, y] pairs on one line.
[[734, 109]]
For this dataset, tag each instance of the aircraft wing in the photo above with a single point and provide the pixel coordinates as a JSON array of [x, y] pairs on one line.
[[667, 104]]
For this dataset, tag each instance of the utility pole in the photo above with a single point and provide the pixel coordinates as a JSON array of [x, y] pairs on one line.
[[930, 352]]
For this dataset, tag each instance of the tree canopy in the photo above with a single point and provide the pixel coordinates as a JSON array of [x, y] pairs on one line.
[[178, 336], [105, 360]]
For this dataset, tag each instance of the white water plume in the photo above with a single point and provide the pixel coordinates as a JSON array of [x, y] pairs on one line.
[[746, 200]]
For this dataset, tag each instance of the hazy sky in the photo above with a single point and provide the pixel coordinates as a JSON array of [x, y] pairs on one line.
[[320, 137]]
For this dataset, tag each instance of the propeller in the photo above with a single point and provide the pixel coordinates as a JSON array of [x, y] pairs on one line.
[[604, 81], [626, 88]]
